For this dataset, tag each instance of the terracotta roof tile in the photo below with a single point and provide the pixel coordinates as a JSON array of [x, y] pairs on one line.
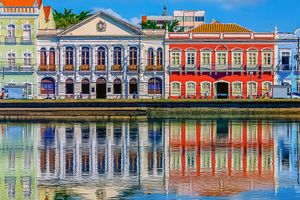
[[220, 28], [47, 10], [19, 3]]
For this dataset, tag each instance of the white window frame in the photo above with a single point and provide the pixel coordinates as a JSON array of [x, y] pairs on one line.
[[263, 58], [248, 88], [191, 52], [11, 30], [11, 59], [262, 86], [195, 88], [210, 59], [27, 32], [232, 87], [248, 58], [27, 56], [219, 64], [173, 64], [172, 91], [210, 85], [232, 58]]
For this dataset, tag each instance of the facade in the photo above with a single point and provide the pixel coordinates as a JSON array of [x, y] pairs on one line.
[[19, 24], [287, 51], [220, 61], [100, 57]]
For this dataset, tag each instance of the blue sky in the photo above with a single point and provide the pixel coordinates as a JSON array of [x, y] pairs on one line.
[[258, 15]]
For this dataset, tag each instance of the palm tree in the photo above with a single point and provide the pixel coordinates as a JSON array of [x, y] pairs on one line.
[[149, 25], [68, 17]]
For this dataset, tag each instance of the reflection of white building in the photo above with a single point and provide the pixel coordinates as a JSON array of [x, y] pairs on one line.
[[102, 157], [100, 57]]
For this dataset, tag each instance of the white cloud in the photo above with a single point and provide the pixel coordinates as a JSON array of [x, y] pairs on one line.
[[133, 21]]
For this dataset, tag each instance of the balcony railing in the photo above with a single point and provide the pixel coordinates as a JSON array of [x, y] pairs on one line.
[[100, 68], [154, 68], [26, 40], [132, 68], [69, 68], [116, 68], [49, 68], [84, 68], [17, 69], [10, 40]]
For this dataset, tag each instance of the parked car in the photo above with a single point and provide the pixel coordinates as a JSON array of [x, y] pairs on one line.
[[295, 95]]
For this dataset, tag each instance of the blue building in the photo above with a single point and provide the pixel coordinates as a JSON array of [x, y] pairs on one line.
[[286, 60]]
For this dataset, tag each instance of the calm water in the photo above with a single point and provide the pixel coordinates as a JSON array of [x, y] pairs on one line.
[[150, 159]]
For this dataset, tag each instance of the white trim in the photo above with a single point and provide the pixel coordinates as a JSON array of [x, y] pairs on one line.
[[210, 59], [201, 85], [232, 84], [172, 92], [232, 56], [248, 89], [186, 58], [186, 87]]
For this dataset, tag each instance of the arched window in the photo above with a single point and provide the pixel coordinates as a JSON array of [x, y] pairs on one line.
[[237, 89], [266, 88], [47, 86], [117, 86], [205, 89], [190, 89], [101, 56], [159, 57], [43, 57], [133, 88], [26, 33], [175, 89], [69, 56], [11, 59], [85, 86], [133, 56], [52, 57], [117, 56], [69, 86], [27, 59], [11, 31], [155, 86], [252, 88], [85, 56], [150, 57]]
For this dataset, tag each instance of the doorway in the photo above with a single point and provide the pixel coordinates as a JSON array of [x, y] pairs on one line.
[[222, 90], [101, 88]]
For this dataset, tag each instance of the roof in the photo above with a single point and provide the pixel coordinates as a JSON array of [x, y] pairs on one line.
[[47, 10], [19, 3], [220, 28]]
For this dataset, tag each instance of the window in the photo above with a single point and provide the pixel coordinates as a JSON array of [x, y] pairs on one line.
[[221, 59], [175, 89], [199, 18], [85, 56], [188, 19], [11, 31], [191, 58], [237, 89], [11, 59], [190, 89], [159, 57], [266, 88], [85, 86], [133, 87], [150, 58], [267, 59], [52, 57], [27, 59], [117, 86], [69, 86], [133, 56], [252, 59], [252, 88], [43, 57], [175, 59], [205, 89], [155, 86], [285, 60], [47, 86], [69, 56], [26, 32], [117, 56], [101, 56], [205, 60], [237, 59]]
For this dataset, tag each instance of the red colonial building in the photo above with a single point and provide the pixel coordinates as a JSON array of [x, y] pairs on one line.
[[220, 61]]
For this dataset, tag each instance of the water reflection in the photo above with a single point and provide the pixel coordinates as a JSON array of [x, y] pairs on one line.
[[160, 159]]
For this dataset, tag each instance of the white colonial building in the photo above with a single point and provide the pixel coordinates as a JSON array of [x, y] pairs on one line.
[[100, 57]]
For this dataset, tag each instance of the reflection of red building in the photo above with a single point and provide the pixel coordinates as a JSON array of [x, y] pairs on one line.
[[219, 61], [216, 158]]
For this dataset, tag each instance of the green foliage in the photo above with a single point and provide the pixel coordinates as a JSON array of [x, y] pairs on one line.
[[149, 25], [167, 25], [68, 17]]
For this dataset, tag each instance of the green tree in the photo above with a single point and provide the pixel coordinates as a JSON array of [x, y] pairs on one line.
[[171, 25], [68, 17], [149, 25]]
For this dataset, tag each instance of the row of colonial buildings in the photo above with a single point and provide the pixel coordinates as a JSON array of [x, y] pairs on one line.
[[105, 57]]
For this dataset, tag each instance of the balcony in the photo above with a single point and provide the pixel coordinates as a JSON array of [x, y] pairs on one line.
[[154, 68], [17, 69], [252, 68], [100, 68], [84, 68], [26, 41], [47, 68], [132, 68], [116, 68], [10, 40], [265, 68], [69, 68], [285, 68]]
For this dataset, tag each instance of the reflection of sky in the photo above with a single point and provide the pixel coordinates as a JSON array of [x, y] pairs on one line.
[[14, 135]]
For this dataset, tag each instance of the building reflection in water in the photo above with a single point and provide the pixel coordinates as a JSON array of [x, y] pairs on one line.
[[215, 157]]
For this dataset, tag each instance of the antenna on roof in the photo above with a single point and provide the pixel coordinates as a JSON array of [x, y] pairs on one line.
[[165, 12]]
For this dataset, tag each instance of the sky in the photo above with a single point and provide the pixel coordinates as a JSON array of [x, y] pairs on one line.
[[257, 15]]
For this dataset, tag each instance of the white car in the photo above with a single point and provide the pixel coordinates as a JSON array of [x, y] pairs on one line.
[[295, 95]]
